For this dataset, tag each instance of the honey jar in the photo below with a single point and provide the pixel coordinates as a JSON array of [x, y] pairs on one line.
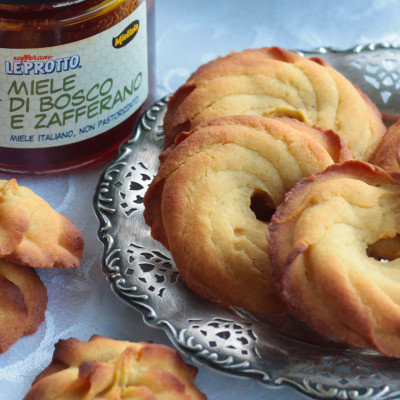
[[74, 77]]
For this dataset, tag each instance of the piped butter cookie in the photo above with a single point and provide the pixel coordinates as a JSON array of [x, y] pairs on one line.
[[23, 302], [215, 192], [32, 233], [320, 239], [104, 368], [274, 82]]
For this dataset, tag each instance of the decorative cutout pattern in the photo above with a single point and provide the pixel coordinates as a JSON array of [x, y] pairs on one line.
[[275, 351]]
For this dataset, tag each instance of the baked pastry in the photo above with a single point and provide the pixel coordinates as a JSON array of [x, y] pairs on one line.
[[23, 302], [32, 233], [387, 154], [104, 368], [273, 82], [212, 198], [319, 239]]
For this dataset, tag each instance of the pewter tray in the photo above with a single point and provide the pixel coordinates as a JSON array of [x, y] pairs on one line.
[[276, 351]]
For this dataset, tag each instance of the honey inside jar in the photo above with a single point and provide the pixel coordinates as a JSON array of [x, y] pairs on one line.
[[75, 77]]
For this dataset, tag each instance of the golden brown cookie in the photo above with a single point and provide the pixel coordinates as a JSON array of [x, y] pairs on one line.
[[213, 196], [273, 82], [387, 154], [104, 368], [23, 302], [32, 233], [13, 315], [319, 239]]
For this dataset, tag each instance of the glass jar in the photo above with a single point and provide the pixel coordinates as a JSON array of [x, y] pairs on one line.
[[74, 77]]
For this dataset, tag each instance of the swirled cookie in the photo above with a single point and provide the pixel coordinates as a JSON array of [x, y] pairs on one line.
[[274, 82], [32, 233], [319, 239], [387, 154], [104, 368], [213, 196], [23, 302]]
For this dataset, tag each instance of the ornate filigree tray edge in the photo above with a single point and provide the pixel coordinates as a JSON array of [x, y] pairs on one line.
[[105, 210]]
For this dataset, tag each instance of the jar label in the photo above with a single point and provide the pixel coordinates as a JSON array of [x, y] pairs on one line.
[[60, 95]]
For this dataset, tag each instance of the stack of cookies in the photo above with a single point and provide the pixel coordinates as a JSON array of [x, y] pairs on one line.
[[32, 235], [278, 191]]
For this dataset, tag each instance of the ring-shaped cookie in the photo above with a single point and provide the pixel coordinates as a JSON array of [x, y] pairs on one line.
[[209, 202], [319, 250], [274, 82]]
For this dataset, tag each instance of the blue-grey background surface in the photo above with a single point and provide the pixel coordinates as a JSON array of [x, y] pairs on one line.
[[188, 33]]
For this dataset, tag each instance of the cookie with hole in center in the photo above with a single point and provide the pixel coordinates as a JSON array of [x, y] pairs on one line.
[[320, 239], [104, 368], [212, 198], [275, 82]]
